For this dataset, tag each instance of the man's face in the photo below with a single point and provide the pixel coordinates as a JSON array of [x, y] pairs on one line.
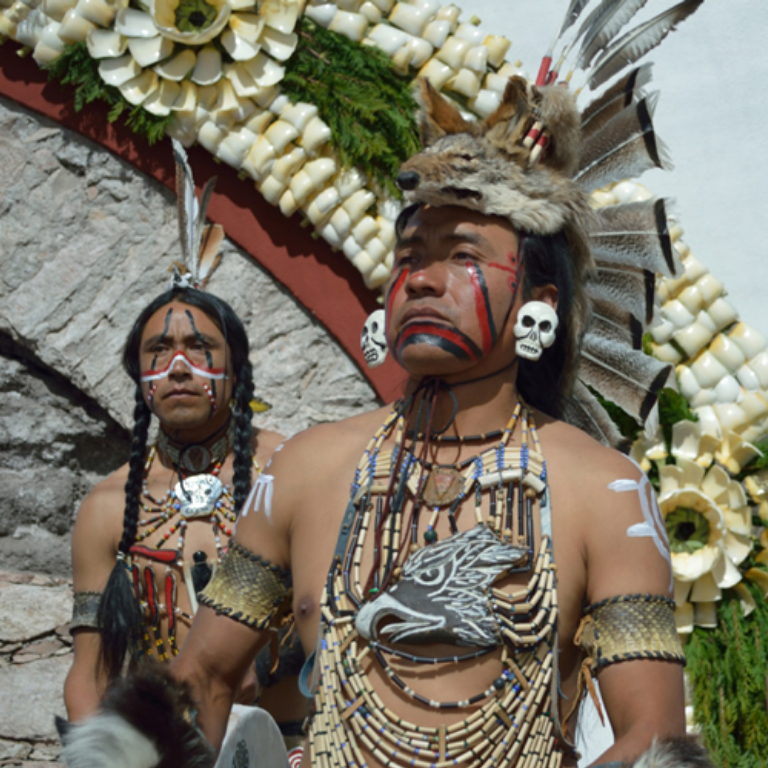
[[184, 367], [453, 289]]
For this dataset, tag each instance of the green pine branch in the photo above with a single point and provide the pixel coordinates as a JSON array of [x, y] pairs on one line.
[[368, 106], [75, 67], [727, 668]]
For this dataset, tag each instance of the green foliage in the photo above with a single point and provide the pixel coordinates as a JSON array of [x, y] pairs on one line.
[[758, 463], [628, 427], [365, 102], [673, 407], [727, 668], [76, 67]]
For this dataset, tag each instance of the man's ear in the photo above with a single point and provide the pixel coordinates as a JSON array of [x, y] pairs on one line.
[[546, 293]]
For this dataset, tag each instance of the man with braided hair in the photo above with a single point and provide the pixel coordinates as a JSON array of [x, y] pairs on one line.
[[148, 537]]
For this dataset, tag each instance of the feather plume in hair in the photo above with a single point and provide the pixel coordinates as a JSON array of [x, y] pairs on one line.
[[625, 91], [638, 41], [635, 234], [626, 146], [631, 380], [199, 242], [601, 27]]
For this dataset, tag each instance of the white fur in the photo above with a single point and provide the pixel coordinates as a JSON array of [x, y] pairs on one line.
[[108, 741]]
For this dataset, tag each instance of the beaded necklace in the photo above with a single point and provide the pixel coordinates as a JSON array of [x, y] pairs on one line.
[[217, 507], [510, 722]]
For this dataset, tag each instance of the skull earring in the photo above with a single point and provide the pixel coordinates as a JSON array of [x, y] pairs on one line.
[[373, 341], [535, 329]]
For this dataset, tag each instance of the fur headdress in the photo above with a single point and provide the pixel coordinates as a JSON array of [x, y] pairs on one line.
[[535, 160]]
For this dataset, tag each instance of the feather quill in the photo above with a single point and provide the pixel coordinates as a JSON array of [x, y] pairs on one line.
[[572, 15], [625, 147], [632, 289], [199, 242], [635, 234], [583, 410], [629, 378], [602, 25], [624, 92], [186, 204], [638, 41]]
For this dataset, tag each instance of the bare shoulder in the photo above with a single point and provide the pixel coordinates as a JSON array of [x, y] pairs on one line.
[[97, 532], [586, 467], [264, 442], [330, 446], [106, 500]]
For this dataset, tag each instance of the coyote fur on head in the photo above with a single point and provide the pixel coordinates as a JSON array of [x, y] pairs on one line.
[[485, 166]]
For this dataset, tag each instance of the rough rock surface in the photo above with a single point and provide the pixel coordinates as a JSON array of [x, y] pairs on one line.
[[35, 655], [87, 241]]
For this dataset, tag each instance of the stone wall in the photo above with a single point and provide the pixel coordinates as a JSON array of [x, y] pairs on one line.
[[86, 243]]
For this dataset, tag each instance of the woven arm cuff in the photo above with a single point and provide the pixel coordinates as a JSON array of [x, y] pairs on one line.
[[249, 589], [631, 627], [85, 610]]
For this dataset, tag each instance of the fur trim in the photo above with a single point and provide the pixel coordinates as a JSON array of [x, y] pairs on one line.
[[108, 740], [146, 720], [674, 752]]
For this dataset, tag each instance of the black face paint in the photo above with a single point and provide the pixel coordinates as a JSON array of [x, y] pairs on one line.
[[451, 340], [167, 325], [208, 356]]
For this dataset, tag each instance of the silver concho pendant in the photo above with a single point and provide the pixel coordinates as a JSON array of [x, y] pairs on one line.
[[199, 495]]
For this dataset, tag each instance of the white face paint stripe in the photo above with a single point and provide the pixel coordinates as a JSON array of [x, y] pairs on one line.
[[653, 519], [206, 373]]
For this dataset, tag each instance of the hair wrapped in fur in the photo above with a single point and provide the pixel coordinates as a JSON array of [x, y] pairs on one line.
[[674, 752], [145, 721], [119, 616]]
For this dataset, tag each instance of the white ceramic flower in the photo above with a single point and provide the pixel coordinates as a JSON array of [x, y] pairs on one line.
[[164, 56], [708, 522]]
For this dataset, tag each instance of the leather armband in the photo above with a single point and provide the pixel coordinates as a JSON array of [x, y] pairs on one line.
[[85, 610], [249, 589], [630, 627]]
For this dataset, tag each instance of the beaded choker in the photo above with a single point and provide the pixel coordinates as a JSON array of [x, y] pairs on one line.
[[196, 458], [440, 591]]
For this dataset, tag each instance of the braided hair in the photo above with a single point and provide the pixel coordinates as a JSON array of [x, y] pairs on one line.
[[120, 620]]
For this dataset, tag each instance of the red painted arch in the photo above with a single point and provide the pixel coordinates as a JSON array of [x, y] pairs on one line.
[[324, 282]]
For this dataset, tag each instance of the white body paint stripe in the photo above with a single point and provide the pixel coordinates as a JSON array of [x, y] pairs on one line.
[[653, 519]]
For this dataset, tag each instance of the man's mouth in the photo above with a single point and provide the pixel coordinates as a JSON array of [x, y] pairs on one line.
[[180, 394], [422, 314]]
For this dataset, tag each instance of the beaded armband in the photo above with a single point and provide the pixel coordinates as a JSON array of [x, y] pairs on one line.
[[85, 610], [630, 627], [249, 589]]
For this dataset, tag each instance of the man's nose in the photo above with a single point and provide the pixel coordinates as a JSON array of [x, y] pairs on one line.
[[180, 368], [428, 280]]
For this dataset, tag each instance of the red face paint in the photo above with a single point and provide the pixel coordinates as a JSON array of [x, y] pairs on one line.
[[391, 293], [513, 270], [482, 307]]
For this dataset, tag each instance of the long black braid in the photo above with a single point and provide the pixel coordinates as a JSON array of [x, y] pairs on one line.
[[120, 619], [119, 614], [241, 410]]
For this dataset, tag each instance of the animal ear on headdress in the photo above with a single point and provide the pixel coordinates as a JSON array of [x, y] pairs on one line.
[[200, 242], [438, 116]]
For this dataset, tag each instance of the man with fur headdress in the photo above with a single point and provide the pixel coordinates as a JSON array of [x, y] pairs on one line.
[[489, 557]]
